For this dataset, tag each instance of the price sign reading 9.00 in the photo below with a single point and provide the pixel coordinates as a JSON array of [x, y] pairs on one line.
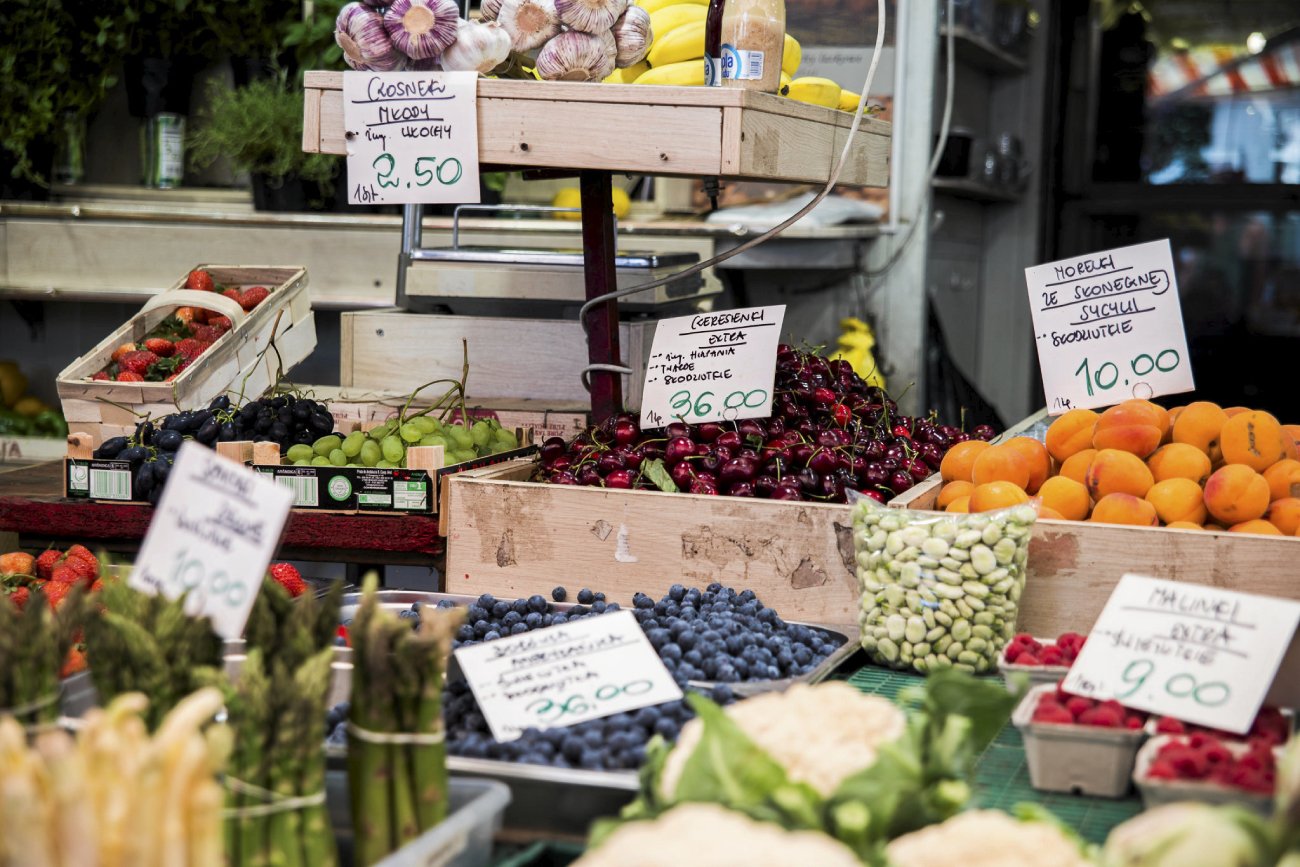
[[411, 137]]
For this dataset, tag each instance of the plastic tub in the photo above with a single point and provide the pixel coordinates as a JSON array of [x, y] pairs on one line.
[[1156, 791], [1037, 674], [1083, 760]]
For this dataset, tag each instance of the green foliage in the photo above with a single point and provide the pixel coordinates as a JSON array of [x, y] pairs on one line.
[[252, 28], [312, 37]]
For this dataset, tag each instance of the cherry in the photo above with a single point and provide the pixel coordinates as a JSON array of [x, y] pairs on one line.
[[682, 474], [808, 480], [823, 394], [741, 489], [751, 428], [737, 470], [984, 432], [561, 462], [875, 495], [776, 427], [841, 368], [563, 478], [896, 453], [787, 491], [588, 476], [832, 488], [730, 439], [901, 481], [823, 461], [702, 449], [827, 439], [902, 430], [678, 429], [748, 452], [703, 486], [874, 450], [918, 469], [712, 461], [931, 454], [764, 485], [652, 450], [960, 437], [610, 461], [634, 458], [841, 414], [708, 432], [619, 479], [626, 431], [551, 449], [875, 476], [678, 447], [801, 452]]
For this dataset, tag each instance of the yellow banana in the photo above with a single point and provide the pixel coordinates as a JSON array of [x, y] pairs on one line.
[[687, 72], [818, 91], [849, 101], [653, 6], [669, 18], [791, 55], [785, 82], [684, 43], [628, 75]]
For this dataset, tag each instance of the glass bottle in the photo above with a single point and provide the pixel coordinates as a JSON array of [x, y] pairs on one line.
[[753, 40], [713, 44]]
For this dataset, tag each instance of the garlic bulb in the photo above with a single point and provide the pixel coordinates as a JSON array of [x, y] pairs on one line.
[[574, 56], [606, 38], [427, 64], [488, 9], [478, 47], [633, 36], [529, 22], [590, 16], [420, 29], [359, 31]]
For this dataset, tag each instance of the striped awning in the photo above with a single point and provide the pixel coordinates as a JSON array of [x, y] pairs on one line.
[[1223, 70]]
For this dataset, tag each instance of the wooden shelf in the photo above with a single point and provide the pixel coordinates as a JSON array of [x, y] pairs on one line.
[[976, 50], [643, 129], [974, 190]]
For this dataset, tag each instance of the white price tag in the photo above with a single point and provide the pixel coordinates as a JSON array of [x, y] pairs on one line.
[[411, 137], [212, 537], [1109, 327], [563, 675], [712, 367], [1197, 653]]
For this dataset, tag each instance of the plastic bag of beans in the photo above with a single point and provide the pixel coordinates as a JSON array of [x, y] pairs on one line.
[[939, 590]]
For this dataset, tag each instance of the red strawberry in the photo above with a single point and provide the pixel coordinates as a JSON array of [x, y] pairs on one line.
[[55, 592], [1078, 704], [19, 597], [200, 280], [89, 562], [100, 376], [128, 376], [137, 362], [1167, 725], [46, 562], [160, 346], [289, 578], [68, 572], [253, 296], [221, 323], [1102, 716], [75, 662], [97, 586], [233, 294], [1049, 711], [205, 333]]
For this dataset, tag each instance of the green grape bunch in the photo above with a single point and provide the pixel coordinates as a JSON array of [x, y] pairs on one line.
[[385, 446]]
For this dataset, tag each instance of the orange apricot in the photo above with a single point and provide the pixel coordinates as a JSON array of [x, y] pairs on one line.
[[1199, 425], [1252, 438], [1135, 426], [1294, 431], [1235, 493], [1230, 411], [1124, 509], [1001, 463], [1285, 515], [1040, 463], [1076, 465], [1283, 479], [1179, 461], [951, 491], [996, 495], [1050, 513], [1071, 433], [1184, 525], [961, 504], [1262, 528], [1066, 497], [1114, 471], [957, 463], [1178, 500]]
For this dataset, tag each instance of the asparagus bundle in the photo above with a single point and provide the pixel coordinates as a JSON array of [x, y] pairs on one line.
[[34, 643], [276, 780], [142, 643], [397, 769], [114, 796]]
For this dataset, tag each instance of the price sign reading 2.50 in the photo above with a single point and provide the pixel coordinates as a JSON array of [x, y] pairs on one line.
[[551, 711], [426, 170], [687, 405], [1108, 374]]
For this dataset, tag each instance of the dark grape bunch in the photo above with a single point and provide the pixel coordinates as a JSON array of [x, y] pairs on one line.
[[284, 420], [830, 432]]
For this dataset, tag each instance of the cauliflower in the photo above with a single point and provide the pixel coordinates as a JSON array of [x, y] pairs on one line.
[[820, 734], [705, 835], [985, 838], [1189, 835]]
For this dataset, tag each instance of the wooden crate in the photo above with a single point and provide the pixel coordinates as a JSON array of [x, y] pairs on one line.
[[241, 361], [30, 450], [512, 537], [642, 129], [509, 359]]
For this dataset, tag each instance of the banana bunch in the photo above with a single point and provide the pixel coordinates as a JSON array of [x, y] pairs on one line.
[[855, 344]]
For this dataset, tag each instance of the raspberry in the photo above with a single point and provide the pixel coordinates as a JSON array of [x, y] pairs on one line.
[[1078, 704], [1102, 717], [1050, 712], [1167, 725]]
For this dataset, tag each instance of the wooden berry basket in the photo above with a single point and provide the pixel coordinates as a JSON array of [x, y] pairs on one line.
[[238, 362]]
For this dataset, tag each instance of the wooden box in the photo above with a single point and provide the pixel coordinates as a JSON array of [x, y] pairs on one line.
[[539, 359], [242, 361]]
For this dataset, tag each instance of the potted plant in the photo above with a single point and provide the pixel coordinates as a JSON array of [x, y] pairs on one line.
[[253, 35], [258, 128]]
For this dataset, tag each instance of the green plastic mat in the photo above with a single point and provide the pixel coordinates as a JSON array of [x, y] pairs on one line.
[[1002, 776]]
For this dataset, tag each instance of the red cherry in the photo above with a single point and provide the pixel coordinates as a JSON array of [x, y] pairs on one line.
[[619, 479], [901, 430]]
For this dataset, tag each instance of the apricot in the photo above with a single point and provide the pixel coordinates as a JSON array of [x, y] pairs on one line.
[[1184, 525], [1124, 509], [1114, 471], [1235, 493], [1199, 425], [1040, 463], [1135, 426], [952, 491], [1071, 433], [1050, 513], [1067, 497], [1178, 500], [1285, 515], [1294, 431], [1230, 411], [1179, 461], [1001, 463], [1076, 465], [1283, 479], [996, 495], [959, 460], [1253, 438], [1262, 528], [961, 504]]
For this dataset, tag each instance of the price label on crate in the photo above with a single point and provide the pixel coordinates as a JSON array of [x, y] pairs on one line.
[[1109, 327], [712, 367], [563, 675], [1201, 654], [411, 137], [212, 536]]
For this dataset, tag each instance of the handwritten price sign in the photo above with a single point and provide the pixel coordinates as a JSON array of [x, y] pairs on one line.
[[567, 674], [412, 137], [1200, 654], [1109, 327]]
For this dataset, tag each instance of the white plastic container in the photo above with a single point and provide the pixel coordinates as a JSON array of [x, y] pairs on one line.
[[1038, 674], [1083, 760], [1157, 791]]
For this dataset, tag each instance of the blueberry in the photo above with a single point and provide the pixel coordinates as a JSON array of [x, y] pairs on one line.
[[481, 628], [658, 637], [578, 611], [534, 620], [785, 658], [520, 606], [715, 587], [475, 612], [474, 721], [741, 667], [671, 651], [686, 639], [747, 596], [585, 596], [727, 673], [465, 632], [646, 717], [557, 618], [599, 597], [486, 601], [591, 760], [492, 636], [444, 604], [598, 607], [544, 748], [537, 603], [773, 673], [767, 615], [571, 748], [636, 756], [721, 694], [734, 644], [693, 656], [660, 607], [500, 609], [802, 655], [667, 728], [519, 628], [559, 594], [511, 618], [640, 600]]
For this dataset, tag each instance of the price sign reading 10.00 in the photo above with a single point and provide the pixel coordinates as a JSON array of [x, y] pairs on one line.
[[411, 137]]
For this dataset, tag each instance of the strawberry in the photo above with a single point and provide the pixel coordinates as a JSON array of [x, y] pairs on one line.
[[163, 368], [19, 597], [82, 554], [289, 578], [253, 296], [188, 348], [221, 323], [1049, 711], [17, 563], [67, 572], [56, 592], [128, 376], [1167, 725], [233, 294], [160, 346], [184, 315], [75, 662], [45, 563], [200, 280], [100, 376], [97, 586], [1102, 717], [137, 362], [123, 350], [206, 333]]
